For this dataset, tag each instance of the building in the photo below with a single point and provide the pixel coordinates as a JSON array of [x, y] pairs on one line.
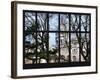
[[64, 44]]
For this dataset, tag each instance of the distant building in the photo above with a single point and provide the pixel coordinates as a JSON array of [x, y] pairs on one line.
[[64, 45]]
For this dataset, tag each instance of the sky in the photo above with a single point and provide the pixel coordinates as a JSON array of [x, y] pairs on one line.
[[53, 25]]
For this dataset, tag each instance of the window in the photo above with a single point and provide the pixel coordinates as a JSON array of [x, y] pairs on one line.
[[56, 39]]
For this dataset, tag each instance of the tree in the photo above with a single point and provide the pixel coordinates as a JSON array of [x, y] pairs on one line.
[[40, 46], [75, 22]]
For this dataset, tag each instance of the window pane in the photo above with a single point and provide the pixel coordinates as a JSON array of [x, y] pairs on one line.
[[53, 47], [85, 47], [64, 47], [30, 21], [74, 47], [42, 47], [74, 22], [30, 48], [41, 21], [64, 22], [53, 22], [85, 23]]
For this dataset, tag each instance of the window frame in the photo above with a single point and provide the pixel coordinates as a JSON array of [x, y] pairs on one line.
[[70, 63]]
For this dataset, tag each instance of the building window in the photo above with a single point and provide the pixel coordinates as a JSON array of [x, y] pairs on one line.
[[56, 39]]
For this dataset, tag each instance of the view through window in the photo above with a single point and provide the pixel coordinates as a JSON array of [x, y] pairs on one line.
[[56, 39]]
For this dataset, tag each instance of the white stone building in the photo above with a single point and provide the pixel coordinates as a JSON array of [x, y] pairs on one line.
[[64, 44]]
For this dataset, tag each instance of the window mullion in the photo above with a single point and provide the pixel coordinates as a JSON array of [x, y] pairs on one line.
[[36, 36], [80, 47], [69, 37]]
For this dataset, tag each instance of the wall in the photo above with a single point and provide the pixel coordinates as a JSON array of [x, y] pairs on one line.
[[5, 41]]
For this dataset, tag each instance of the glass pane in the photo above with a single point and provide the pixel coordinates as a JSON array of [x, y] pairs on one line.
[[41, 21], [53, 47], [85, 23], [30, 48], [30, 55], [64, 22], [30, 21], [85, 43], [74, 47], [74, 22], [53, 22], [64, 47], [42, 45]]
